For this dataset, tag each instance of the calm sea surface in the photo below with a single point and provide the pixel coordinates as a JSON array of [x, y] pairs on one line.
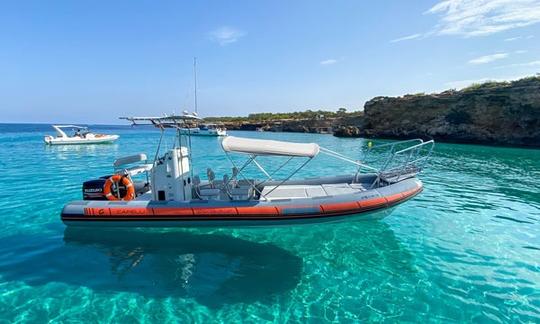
[[466, 249]]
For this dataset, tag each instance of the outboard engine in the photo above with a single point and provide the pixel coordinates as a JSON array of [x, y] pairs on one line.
[[93, 189]]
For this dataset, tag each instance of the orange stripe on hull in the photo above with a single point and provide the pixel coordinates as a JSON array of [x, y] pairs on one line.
[[215, 211], [372, 203], [131, 211], [165, 211], [339, 207], [257, 210], [392, 199]]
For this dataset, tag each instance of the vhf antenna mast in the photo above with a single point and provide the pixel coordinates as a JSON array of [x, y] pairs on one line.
[[195, 77]]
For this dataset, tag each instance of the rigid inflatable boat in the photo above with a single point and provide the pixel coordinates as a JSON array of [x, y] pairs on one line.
[[171, 195], [81, 135]]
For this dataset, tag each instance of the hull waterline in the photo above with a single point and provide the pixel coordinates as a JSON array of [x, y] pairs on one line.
[[109, 139]]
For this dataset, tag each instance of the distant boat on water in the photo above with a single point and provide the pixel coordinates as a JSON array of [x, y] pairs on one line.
[[202, 129], [205, 130], [81, 135]]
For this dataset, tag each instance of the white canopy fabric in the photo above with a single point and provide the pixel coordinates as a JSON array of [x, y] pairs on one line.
[[130, 159], [70, 126], [269, 147]]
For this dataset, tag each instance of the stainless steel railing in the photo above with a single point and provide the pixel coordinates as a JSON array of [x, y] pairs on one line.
[[400, 160]]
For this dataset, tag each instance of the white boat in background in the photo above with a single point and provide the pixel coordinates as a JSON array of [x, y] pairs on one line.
[[205, 130], [195, 127], [81, 135]]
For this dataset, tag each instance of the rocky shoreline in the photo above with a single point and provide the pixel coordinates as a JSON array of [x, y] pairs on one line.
[[493, 113], [320, 126]]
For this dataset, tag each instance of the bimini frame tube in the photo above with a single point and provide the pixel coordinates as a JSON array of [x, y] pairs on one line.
[[258, 147], [290, 176], [346, 159], [251, 159], [252, 184]]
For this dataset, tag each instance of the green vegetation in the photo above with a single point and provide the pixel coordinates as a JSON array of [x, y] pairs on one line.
[[494, 84], [297, 115], [485, 85]]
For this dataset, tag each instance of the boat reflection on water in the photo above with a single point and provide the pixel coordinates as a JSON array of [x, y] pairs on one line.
[[214, 269], [79, 152]]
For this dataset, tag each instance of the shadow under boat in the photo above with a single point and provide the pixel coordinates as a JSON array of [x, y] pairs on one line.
[[213, 269]]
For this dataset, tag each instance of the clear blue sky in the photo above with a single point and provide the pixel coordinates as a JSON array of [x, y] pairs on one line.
[[92, 61]]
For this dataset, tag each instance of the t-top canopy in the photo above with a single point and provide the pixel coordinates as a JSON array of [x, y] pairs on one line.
[[165, 121], [268, 147]]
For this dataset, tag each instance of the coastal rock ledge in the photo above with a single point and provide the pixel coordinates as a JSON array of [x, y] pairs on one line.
[[500, 113]]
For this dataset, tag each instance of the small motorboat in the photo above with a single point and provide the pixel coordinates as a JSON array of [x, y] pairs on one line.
[[205, 130], [81, 135], [172, 195]]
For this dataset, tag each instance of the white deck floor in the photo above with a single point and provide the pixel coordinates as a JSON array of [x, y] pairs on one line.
[[310, 191]]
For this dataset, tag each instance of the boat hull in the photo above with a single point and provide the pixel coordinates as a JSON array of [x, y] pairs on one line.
[[200, 132], [79, 141], [370, 204]]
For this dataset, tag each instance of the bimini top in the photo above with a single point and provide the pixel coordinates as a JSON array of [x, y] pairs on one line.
[[70, 126], [268, 147], [61, 133]]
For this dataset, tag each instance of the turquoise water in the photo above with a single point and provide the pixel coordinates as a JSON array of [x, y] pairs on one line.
[[466, 249]]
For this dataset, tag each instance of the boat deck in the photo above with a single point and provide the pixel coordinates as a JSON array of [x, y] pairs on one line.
[[311, 191], [290, 191]]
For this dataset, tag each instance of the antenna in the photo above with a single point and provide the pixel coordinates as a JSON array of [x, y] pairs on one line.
[[195, 77]]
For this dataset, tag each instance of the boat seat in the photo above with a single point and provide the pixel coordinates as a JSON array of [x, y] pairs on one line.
[[237, 190], [204, 192], [138, 169]]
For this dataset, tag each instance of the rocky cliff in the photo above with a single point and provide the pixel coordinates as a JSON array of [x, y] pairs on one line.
[[501, 113]]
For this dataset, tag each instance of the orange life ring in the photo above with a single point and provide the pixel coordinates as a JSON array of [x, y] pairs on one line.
[[116, 179]]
